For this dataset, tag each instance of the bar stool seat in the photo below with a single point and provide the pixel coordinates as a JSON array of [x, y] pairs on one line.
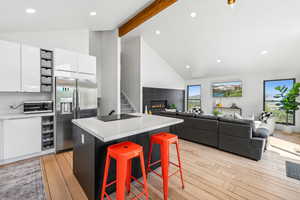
[[123, 153], [165, 140]]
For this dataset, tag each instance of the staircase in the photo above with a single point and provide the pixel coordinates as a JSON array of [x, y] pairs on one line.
[[126, 107]]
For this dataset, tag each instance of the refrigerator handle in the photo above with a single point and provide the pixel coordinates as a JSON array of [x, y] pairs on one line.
[[74, 104], [78, 102]]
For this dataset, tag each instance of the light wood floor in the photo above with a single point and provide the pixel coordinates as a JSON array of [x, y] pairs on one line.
[[209, 174]]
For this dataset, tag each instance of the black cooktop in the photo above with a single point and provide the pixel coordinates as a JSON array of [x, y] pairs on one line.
[[110, 118]]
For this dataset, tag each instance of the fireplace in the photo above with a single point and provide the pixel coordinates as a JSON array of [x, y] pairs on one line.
[[158, 105]]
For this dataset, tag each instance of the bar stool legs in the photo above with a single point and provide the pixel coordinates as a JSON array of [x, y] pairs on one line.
[[164, 154], [165, 140], [179, 163]]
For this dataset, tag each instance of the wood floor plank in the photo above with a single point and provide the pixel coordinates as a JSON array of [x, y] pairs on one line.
[[76, 191], [69, 158], [56, 182]]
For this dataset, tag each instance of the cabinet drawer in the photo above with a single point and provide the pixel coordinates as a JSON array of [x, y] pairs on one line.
[[21, 137]]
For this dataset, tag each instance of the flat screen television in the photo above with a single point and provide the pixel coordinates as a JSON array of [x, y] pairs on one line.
[[227, 89]]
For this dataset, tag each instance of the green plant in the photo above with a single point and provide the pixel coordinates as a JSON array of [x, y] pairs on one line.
[[288, 99], [173, 106], [216, 112]]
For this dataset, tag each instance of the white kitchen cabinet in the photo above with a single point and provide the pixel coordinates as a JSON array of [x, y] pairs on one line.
[[10, 67], [21, 137], [86, 64], [31, 69], [65, 60]]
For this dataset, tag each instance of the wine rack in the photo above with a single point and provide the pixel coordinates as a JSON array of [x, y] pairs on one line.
[[47, 133]]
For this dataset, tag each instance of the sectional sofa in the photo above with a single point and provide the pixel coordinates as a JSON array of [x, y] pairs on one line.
[[235, 136]]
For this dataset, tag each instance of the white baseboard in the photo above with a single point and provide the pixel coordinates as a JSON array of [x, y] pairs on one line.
[[12, 160]]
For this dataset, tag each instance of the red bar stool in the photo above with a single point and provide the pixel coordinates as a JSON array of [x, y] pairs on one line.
[[165, 140], [123, 153]]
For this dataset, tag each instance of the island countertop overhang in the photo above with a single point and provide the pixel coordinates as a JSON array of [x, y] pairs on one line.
[[109, 131]]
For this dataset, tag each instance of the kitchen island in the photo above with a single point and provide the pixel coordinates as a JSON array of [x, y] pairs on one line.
[[92, 136]]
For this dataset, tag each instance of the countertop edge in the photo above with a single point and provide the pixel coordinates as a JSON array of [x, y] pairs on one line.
[[23, 116], [131, 133]]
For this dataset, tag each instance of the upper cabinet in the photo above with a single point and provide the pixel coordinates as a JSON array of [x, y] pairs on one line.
[[10, 70], [86, 64], [31, 69], [65, 60], [74, 62]]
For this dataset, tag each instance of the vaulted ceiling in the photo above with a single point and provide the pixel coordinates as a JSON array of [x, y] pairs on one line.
[[255, 36], [66, 14]]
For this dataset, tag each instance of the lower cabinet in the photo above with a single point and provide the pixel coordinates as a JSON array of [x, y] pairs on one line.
[[21, 137]]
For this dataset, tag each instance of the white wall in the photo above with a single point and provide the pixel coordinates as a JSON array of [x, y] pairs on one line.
[[252, 100], [131, 71], [156, 72], [107, 47], [74, 40], [95, 50], [143, 67]]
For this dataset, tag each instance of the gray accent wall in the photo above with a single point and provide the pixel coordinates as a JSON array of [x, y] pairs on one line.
[[173, 96]]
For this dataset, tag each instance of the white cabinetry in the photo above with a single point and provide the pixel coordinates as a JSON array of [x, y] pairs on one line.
[[31, 69], [86, 64], [65, 60], [21, 137], [10, 70]]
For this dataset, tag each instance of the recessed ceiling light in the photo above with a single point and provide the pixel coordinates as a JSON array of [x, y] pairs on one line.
[[193, 14], [188, 66], [219, 61], [264, 52], [157, 32], [93, 13], [30, 10]]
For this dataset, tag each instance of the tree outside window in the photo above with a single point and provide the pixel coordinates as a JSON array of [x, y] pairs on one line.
[[270, 102]]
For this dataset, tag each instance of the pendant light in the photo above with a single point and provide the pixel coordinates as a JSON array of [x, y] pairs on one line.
[[231, 2]]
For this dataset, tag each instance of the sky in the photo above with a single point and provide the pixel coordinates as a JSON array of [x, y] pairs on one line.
[[271, 85], [194, 90]]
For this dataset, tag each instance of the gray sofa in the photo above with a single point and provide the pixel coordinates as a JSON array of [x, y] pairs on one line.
[[235, 136]]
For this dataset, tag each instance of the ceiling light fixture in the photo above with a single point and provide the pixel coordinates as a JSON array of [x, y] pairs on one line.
[[231, 2], [93, 13], [188, 66], [193, 14], [157, 32], [219, 61], [30, 11], [264, 52]]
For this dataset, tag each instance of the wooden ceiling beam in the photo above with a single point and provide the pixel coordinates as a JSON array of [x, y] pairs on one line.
[[153, 9]]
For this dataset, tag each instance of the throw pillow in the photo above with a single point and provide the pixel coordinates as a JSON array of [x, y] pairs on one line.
[[197, 110], [264, 116]]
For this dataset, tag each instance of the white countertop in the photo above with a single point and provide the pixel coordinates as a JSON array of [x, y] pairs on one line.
[[108, 131], [22, 115]]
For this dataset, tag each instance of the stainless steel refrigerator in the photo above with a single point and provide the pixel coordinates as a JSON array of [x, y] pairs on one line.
[[74, 99]]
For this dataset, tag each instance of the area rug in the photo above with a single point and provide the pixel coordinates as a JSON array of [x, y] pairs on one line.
[[293, 170], [22, 181]]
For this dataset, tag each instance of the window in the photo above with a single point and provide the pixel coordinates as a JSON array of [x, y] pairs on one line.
[[270, 102], [193, 96]]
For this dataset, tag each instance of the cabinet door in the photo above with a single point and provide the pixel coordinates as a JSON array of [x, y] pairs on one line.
[[22, 137], [65, 60], [86, 64], [31, 69], [10, 67]]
